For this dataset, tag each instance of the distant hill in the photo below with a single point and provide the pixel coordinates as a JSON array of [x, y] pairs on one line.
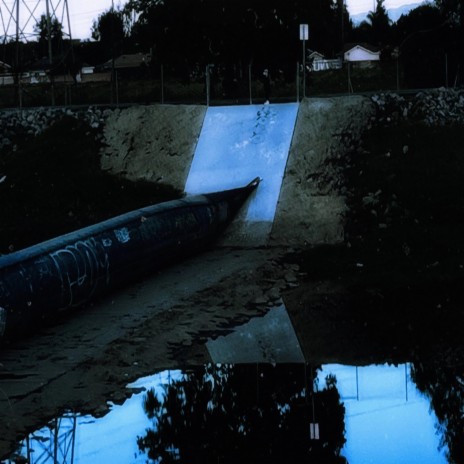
[[393, 13]]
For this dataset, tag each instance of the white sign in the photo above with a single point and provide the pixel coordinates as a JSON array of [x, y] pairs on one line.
[[304, 32], [314, 431]]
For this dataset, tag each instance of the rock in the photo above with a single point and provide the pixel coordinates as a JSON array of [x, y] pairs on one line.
[[273, 294], [260, 300]]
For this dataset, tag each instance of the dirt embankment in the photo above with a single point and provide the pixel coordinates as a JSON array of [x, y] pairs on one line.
[[312, 203], [153, 143], [158, 143]]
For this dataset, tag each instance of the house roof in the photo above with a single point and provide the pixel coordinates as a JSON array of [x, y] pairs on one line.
[[129, 61], [315, 54], [4, 67], [368, 47]]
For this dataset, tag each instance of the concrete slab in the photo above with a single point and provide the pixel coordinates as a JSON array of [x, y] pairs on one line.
[[237, 144], [267, 339]]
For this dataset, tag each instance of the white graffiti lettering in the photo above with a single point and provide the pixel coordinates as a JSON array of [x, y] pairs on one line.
[[82, 266]]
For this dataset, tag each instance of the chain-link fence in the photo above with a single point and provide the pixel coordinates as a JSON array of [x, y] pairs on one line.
[[214, 85]]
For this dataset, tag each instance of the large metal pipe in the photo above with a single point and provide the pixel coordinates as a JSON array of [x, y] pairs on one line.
[[70, 270]]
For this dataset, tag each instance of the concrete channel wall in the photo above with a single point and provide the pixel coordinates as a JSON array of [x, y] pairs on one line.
[[158, 142]]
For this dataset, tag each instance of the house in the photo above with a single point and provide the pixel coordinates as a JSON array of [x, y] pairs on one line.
[[362, 54], [6, 74], [319, 63], [129, 64], [5, 68]]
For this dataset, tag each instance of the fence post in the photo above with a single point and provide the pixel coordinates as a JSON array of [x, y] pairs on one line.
[[117, 87], [249, 83], [208, 84], [397, 74], [350, 85], [162, 83], [446, 70]]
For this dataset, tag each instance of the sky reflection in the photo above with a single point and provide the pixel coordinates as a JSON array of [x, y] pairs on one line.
[[386, 420]]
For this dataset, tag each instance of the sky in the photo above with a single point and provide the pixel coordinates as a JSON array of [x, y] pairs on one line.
[[84, 12], [361, 6]]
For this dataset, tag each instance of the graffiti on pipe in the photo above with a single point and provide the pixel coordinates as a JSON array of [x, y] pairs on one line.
[[81, 267]]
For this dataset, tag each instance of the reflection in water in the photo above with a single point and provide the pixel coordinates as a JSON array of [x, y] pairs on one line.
[[244, 413], [387, 418], [442, 380], [253, 413]]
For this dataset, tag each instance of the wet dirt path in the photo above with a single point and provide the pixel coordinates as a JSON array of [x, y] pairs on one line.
[[88, 358]]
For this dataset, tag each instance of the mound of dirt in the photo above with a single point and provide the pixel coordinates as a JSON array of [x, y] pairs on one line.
[[152, 143]]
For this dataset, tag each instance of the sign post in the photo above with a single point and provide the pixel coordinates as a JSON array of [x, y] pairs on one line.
[[304, 35]]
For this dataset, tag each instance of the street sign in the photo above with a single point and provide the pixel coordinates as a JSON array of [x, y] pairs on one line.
[[304, 32], [314, 431]]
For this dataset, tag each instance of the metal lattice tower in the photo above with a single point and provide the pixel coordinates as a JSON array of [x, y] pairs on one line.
[[18, 17], [53, 444]]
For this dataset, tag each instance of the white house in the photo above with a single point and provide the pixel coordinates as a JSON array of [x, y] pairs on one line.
[[361, 54], [320, 63], [6, 74]]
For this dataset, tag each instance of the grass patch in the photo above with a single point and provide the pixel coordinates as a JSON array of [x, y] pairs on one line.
[[54, 185]]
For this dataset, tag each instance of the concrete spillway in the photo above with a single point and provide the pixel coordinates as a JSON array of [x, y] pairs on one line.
[[242, 142]]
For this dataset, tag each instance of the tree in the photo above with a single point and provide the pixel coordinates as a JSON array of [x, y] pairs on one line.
[[380, 24], [56, 34], [108, 29], [429, 46], [235, 32], [444, 386], [453, 10], [243, 413], [424, 17]]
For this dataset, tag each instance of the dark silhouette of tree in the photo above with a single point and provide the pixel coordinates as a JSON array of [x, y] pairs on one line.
[[56, 35], [235, 32], [380, 24], [424, 17], [246, 413], [108, 29], [453, 10], [444, 386], [429, 47]]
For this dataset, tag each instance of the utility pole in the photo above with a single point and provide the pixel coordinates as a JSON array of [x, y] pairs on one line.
[[16, 26], [17, 71], [304, 35], [50, 51], [112, 53]]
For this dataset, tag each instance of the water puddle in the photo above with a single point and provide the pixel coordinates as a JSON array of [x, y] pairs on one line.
[[270, 338], [252, 413], [261, 399]]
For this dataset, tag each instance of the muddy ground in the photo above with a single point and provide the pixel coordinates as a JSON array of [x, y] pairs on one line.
[[366, 277]]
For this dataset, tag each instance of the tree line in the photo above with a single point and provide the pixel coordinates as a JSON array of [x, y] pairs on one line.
[[185, 35]]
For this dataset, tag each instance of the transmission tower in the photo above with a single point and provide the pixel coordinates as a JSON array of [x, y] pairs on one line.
[[53, 444], [18, 18]]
